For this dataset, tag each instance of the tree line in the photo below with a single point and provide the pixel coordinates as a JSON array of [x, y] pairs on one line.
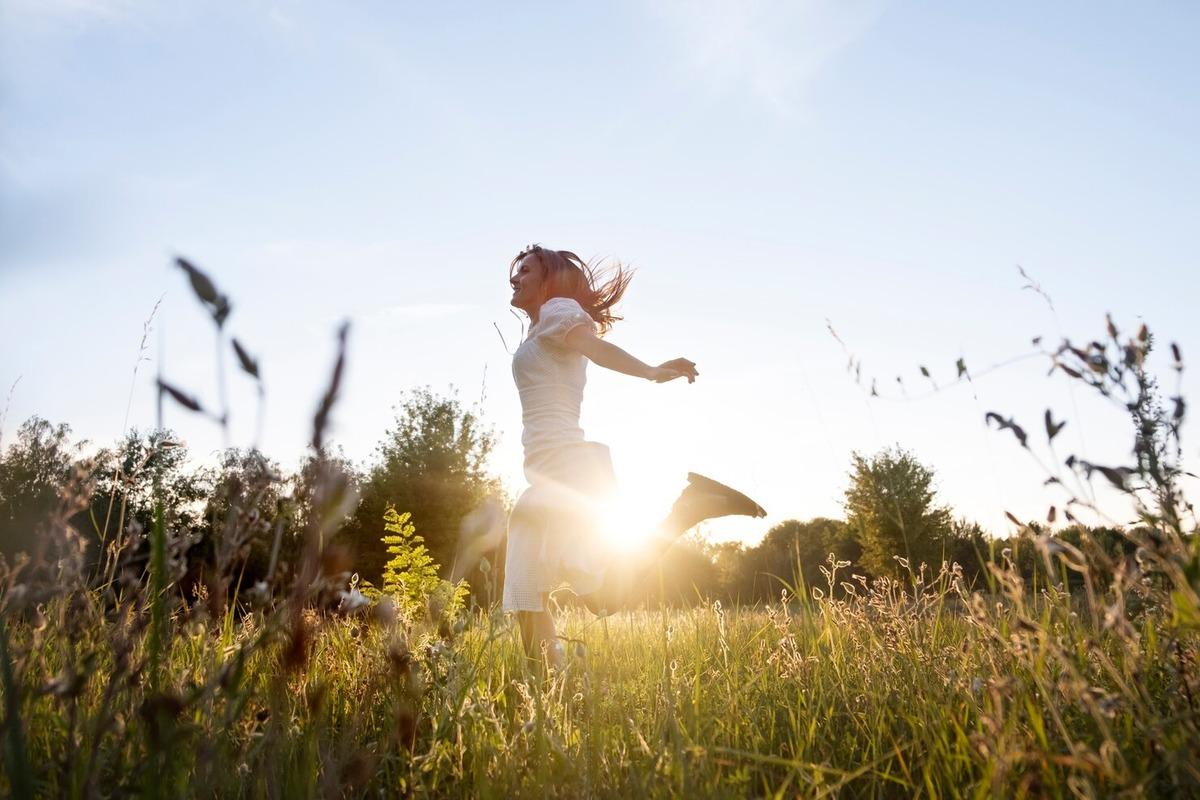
[[432, 463]]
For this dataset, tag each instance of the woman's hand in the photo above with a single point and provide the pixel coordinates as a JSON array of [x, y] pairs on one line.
[[675, 368]]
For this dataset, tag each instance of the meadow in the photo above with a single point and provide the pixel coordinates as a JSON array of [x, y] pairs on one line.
[[885, 691], [1078, 682]]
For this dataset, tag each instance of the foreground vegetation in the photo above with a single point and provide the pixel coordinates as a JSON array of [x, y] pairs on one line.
[[885, 691], [125, 671]]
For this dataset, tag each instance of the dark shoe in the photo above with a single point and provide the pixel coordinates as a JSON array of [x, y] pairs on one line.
[[737, 503], [703, 498]]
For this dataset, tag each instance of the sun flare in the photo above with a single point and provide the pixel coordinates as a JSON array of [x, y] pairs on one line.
[[628, 520]]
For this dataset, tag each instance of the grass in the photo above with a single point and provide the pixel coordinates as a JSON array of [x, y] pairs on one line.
[[882, 692]]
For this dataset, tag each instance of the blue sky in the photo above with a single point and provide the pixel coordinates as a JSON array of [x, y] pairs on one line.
[[767, 166]]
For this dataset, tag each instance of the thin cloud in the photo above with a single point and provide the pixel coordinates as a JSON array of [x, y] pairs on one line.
[[770, 48]]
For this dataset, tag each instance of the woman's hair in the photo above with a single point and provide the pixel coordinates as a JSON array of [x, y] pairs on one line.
[[567, 275]]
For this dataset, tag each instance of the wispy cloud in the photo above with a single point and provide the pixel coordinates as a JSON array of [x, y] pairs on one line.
[[769, 48]]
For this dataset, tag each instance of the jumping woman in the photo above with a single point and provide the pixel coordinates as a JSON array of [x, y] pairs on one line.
[[553, 535]]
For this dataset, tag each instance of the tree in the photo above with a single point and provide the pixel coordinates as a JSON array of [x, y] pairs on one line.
[[890, 511], [320, 468], [125, 478], [791, 555], [431, 464], [121, 508], [245, 513], [32, 472], [970, 547]]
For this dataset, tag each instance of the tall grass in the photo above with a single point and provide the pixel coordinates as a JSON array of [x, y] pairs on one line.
[[858, 688], [886, 690]]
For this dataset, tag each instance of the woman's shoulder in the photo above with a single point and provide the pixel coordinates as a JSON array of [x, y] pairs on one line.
[[560, 305], [558, 316]]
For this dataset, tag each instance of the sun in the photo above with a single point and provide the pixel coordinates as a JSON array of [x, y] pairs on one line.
[[628, 520]]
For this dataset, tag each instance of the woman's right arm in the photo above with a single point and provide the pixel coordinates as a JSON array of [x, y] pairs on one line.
[[609, 356]]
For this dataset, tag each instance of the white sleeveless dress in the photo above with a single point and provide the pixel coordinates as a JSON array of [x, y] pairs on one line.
[[554, 531]]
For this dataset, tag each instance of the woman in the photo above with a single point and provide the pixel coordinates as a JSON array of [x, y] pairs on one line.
[[553, 536]]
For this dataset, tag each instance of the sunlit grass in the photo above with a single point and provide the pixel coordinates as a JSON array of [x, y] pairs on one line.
[[883, 692]]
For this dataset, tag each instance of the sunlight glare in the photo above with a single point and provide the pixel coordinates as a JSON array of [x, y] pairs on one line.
[[629, 520]]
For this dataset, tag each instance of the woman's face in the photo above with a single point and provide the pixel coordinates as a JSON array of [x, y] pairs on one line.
[[526, 284]]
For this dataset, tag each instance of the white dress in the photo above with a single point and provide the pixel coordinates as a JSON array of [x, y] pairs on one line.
[[554, 531]]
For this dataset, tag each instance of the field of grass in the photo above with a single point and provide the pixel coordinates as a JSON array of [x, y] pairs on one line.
[[881, 692]]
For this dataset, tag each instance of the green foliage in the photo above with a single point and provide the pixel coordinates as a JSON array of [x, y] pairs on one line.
[[32, 471], [248, 522], [125, 480], [890, 510], [886, 692], [305, 507], [432, 462], [790, 556], [410, 577]]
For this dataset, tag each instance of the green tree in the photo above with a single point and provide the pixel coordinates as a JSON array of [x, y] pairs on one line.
[[339, 511], [32, 471], [125, 476], [891, 512], [121, 508], [971, 548], [792, 553], [432, 463], [244, 514]]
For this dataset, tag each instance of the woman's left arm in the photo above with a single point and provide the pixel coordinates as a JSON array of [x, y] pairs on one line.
[[609, 356]]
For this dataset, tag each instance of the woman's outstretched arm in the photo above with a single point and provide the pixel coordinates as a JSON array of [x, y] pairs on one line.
[[609, 356]]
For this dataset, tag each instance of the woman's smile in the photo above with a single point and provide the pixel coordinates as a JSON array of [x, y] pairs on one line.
[[525, 282]]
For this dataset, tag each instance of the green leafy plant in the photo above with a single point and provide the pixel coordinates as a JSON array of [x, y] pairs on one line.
[[410, 577]]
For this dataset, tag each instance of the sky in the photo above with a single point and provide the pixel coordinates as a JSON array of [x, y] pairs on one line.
[[771, 169]]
